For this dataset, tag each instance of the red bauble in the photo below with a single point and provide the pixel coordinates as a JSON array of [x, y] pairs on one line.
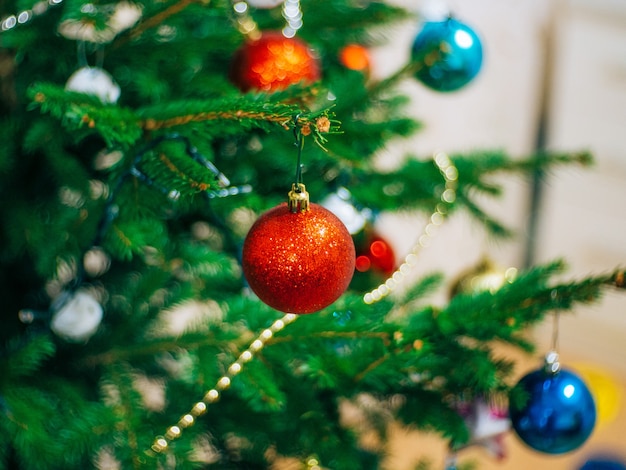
[[298, 262], [377, 255], [273, 62]]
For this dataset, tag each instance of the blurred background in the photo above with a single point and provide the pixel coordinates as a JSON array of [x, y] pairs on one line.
[[554, 77]]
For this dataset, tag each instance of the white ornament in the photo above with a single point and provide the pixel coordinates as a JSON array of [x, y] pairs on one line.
[[265, 3], [487, 427], [338, 203], [78, 318], [94, 81], [488, 421]]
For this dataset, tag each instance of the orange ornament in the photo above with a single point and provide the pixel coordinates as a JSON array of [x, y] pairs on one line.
[[355, 57], [298, 258], [273, 62]]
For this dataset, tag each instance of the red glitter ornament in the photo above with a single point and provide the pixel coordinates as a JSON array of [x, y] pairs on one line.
[[298, 257], [375, 254], [273, 62]]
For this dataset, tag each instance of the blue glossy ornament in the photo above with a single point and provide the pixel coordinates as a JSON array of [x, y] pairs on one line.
[[602, 463], [451, 52], [559, 415]]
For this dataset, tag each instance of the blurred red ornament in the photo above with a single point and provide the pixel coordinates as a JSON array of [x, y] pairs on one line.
[[375, 254], [273, 62], [298, 261], [355, 57]]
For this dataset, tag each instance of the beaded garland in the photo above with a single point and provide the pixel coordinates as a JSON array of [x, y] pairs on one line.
[[448, 196], [25, 16], [173, 432]]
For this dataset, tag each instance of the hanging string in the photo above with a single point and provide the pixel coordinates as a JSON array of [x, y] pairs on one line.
[[298, 197], [555, 331], [81, 52], [552, 363], [299, 143]]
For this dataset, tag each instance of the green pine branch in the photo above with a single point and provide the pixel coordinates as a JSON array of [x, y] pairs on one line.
[[417, 183], [118, 126]]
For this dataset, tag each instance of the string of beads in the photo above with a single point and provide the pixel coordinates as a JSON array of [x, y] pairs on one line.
[[448, 196], [173, 432], [25, 16]]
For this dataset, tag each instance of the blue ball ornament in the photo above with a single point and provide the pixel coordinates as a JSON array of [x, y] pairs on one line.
[[559, 414], [451, 54], [602, 463]]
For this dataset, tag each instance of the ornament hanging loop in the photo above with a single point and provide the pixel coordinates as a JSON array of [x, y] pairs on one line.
[[298, 198], [552, 365]]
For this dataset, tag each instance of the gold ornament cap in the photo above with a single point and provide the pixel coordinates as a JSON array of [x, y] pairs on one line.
[[298, 198]]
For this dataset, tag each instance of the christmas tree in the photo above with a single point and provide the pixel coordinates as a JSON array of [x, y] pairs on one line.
[[177, 291]]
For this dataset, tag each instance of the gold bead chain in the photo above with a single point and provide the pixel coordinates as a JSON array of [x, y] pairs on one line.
[[448, 196], [173, 432]]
